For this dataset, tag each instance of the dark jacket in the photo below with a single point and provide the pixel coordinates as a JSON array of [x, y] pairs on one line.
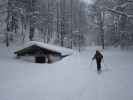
[[98, 56]]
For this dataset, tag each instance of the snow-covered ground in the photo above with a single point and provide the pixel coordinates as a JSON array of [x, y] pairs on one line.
[[70, 79]]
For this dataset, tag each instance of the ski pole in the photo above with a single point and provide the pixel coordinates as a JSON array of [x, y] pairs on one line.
[[90, 66]]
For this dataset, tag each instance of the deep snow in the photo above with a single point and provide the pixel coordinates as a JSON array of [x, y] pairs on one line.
[[69, 79]]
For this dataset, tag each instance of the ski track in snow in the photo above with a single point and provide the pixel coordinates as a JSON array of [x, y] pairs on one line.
[[69, 79]]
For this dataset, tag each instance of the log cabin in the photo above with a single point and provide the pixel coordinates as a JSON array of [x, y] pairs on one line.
[[43, 53]]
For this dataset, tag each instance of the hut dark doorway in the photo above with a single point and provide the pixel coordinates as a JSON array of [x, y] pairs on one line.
[[40, 57]]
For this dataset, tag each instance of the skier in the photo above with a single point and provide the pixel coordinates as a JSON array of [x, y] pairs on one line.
[[98, 57]]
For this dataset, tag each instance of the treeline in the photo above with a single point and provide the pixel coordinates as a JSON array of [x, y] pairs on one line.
[[68, 23], [112, 22], [63, 22]]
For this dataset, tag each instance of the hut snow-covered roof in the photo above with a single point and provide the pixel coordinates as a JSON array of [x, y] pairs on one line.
[[49, 47]]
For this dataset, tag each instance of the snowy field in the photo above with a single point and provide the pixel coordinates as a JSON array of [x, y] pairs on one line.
[[70, 79]]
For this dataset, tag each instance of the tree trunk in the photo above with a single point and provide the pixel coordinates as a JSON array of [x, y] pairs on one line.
[[7, 25]]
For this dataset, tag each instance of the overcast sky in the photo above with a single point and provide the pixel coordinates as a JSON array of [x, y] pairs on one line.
[[89, 1]]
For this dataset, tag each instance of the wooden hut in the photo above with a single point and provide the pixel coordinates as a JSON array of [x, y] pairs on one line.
[[43, 53]]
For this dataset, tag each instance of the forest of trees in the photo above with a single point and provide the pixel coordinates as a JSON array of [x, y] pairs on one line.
[[68, 23], [113, 22]]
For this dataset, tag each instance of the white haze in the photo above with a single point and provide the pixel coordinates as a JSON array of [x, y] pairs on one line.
[[89, 1]]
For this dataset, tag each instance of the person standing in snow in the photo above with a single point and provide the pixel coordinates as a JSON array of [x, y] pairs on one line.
[[98, 57]]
